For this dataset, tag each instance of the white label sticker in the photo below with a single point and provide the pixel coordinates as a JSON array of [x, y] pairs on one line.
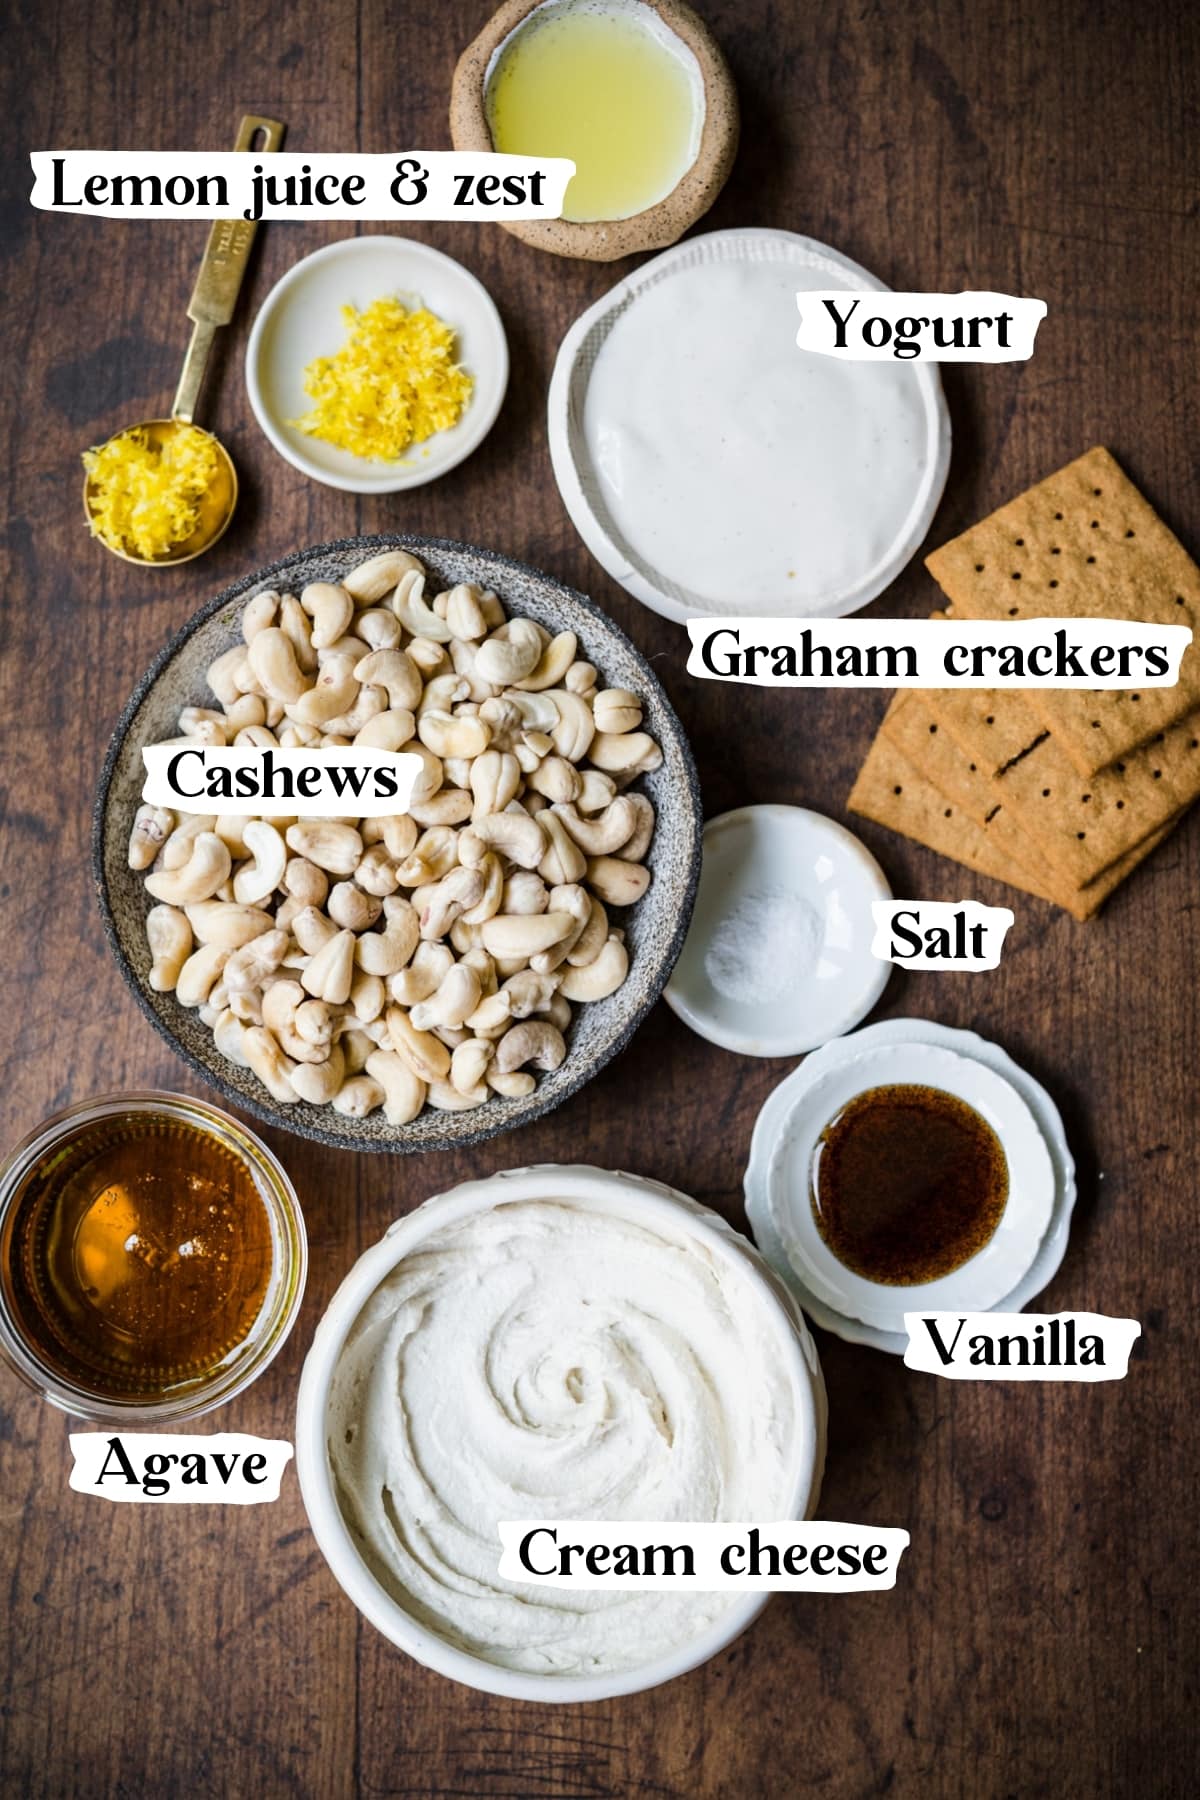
[[883, 327], [996, 1346], [933, 653], [280, 784], [939, 934], [225, 1468], [789, 1557], [237, 184]]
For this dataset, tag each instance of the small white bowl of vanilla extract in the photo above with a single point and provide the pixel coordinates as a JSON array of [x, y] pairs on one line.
[[152, 1258]]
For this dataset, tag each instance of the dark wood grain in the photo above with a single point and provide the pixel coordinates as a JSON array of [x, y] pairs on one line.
[[1042, 1637]]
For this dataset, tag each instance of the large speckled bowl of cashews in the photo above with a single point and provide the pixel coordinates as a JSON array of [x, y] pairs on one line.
[[432, 979]]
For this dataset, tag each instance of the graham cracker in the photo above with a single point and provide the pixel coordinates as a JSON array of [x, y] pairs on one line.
[[1084, 543], [893, 791], [911, 727], [1081, 824]]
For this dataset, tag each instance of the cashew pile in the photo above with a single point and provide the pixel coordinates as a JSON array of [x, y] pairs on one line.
[[431, 957]]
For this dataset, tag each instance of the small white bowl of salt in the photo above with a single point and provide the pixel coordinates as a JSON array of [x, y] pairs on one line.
[[778, 956]]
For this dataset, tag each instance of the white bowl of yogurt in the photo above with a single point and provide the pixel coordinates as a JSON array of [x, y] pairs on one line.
[[551, 1343]]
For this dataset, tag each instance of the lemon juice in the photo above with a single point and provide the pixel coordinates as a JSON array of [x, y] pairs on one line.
[[607, 84]]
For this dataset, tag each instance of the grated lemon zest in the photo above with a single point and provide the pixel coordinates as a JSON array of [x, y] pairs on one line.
[[145, 498], [393, 384]]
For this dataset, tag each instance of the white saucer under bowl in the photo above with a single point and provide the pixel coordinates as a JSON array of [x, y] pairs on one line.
[[301, 319], [811, 883], [1042, 1178]]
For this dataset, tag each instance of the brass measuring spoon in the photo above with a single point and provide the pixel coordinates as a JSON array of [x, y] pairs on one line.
[[211, 306]]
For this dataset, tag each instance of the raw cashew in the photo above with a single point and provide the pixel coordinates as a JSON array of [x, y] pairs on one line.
[[228, 1033], [616, 710], [510, 653], [415, 614], [426, 1055], [269, 1063], [515, 1086], [152, 826], [463, 614], [553, 663], [524, 892], [428, 969], [495, 779], [369, 702], [395, 672], [260, 879], [469, 1062], [221, 674], [601, 977], [441, 903], [534, 1041], [513, 834], [203, 726], [385, 952], [631, 752], [312, 930], [330, 608], [445, 1097], [305, 882], [523, 934], [358, 1096], [453, 1003], [169, 936], [331, 971], [556, 778], [564, 862], [260, 612], [335, 848], [297, 628], [618, 883], [225, 923], [254, 964], [199, 974], [575, 728], [334, 693], [376, 873], [272, 661], [352, 908], [380, 629], [575, 900], [596, 792], [376, 577], [206, 869], [592, 938], [248, 710], [387, 730], [367, 997], [637, 844], [601, 835], [318, 1083], [452, 806]]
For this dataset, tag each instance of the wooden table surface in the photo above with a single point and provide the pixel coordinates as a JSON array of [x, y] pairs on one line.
[[1042, 1636]]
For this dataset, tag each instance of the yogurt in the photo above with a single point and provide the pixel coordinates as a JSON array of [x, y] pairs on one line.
[[733, 472], [546, 1359]]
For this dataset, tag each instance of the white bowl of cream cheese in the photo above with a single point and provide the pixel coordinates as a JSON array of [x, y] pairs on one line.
[[714, 468], [551, 1343]]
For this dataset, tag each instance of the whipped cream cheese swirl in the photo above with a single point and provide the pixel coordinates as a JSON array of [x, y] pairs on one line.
[[549, 1360]]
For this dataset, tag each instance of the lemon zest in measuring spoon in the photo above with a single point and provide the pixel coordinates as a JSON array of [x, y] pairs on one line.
[[393, 383], [144, 498]]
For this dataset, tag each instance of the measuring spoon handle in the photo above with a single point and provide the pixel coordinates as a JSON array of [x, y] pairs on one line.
[[221, 270]]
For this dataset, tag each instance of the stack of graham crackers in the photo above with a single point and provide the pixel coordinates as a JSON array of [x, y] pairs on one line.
[[1061, 793]]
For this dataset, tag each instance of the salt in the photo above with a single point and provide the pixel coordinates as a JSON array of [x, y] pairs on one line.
[[764, 947]]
